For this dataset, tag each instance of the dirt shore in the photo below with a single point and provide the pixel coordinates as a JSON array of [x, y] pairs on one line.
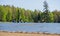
[[26, 34]]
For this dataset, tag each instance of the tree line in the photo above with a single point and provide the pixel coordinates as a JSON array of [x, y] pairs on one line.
[[11, 13]]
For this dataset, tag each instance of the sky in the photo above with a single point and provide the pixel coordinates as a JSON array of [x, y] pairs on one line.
[[32, 4]]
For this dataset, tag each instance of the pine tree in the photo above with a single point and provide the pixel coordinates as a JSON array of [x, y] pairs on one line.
[[45, 17]]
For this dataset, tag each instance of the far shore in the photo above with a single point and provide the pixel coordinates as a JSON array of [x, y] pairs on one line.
[[6, 33]]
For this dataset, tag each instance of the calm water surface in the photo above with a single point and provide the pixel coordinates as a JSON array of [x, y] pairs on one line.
[[31, 27]]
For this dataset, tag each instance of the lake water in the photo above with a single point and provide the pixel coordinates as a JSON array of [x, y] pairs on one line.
[[31, 27]]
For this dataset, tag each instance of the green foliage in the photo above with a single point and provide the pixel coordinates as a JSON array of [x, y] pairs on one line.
[[3, 13], [51, 16], [11, 13], [56, 16]]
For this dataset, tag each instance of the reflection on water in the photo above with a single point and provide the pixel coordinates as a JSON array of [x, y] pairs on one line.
[[31, 27]]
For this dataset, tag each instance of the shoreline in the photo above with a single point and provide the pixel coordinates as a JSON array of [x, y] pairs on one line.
[[6, 33]]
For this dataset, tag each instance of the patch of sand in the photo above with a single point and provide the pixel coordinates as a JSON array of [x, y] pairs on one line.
[[2, 33]]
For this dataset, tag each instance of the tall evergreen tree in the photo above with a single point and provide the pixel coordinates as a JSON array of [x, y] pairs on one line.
[[45, 13]]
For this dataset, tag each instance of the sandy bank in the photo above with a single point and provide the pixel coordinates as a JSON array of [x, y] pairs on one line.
[[4, 33]]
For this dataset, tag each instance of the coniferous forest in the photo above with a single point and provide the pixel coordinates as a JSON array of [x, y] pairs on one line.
[[12, 13]]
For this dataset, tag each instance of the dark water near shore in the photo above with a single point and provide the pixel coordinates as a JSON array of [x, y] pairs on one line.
[[31, 27]]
